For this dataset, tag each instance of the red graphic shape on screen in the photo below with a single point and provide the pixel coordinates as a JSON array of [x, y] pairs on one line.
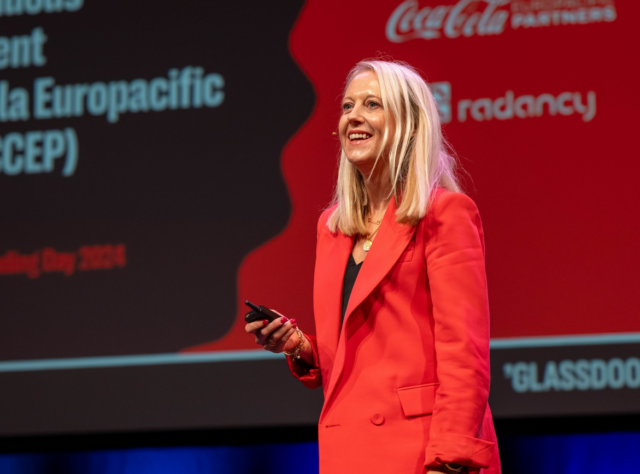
[[561, 249]]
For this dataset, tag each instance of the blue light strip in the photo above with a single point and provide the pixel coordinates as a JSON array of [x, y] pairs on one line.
[[259, 354], [558, 341], [135, 360]]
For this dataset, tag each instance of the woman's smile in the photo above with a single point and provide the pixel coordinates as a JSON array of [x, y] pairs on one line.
[[358, 137]]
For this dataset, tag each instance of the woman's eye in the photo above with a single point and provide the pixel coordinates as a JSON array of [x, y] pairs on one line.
[[372, 105], [346, 107]]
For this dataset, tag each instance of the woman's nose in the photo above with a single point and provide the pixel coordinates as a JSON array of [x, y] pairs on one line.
[[355, 115]]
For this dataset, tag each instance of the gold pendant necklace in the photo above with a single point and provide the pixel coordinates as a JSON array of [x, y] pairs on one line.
[[369, 241]]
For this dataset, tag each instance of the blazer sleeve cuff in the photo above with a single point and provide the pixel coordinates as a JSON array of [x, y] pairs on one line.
[[459, 449], [310, 377]]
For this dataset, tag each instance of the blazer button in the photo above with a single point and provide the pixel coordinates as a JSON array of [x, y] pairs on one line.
[[377, 419]]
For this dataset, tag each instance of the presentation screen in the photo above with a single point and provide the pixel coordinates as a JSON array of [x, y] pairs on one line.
[[162, 161]]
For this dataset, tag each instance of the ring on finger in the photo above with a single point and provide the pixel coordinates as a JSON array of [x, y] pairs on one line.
[[271, 342]]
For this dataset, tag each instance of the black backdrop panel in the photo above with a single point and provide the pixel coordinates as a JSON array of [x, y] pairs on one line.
[[187, 191], [177, 196]]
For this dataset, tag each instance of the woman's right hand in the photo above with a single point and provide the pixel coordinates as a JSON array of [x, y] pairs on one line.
[[277, 336]]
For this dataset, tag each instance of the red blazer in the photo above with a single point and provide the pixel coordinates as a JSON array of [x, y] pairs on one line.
[[406, 376]]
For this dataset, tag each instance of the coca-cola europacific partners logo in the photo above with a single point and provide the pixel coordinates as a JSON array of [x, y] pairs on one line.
[[468, 18]]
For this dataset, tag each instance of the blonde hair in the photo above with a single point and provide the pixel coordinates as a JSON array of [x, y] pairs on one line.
[[418, 158]]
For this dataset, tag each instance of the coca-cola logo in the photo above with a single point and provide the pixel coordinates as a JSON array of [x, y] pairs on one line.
[[466, 18], [490, 17]]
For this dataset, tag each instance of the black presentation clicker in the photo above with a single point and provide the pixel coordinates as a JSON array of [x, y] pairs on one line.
[[259, 313]]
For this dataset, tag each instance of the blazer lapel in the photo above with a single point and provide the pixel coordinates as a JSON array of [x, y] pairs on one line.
[[391, 241], [331, 262], [388, 245]]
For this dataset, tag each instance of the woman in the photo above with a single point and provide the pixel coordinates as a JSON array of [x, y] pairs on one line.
[[400, 295]]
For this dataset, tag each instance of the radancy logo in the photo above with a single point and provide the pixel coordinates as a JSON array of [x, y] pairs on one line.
[[491, 17], [511, 106]]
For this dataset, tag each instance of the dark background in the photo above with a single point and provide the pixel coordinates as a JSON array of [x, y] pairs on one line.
[[189, 192]]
